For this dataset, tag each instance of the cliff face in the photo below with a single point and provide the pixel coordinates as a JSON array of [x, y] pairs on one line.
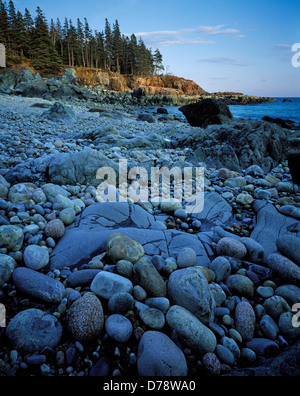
[[154, 85]]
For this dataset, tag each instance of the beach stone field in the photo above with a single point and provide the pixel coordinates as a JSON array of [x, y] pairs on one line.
[[93, 287]]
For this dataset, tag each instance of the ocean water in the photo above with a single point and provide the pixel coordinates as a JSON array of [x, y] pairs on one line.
[[278, 109]]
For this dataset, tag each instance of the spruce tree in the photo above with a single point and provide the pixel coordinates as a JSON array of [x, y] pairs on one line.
[[45, 56], [3, 24], [117, 46], [29, 28]]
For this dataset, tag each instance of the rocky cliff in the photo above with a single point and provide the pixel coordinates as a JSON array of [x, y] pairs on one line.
[[152, 85]]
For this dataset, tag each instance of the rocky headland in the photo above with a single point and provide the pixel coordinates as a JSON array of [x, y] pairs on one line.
[[95, 288]]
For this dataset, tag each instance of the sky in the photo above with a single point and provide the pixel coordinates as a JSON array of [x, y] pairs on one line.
[[223, 45]]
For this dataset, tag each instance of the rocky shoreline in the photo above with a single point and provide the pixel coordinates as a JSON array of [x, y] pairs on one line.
[[113, 89], [122, 289]]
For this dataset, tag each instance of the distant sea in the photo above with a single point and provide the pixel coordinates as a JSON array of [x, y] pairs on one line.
[[278, 109]]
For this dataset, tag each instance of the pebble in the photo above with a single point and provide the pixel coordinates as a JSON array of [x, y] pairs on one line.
[[38, 285], [11, 237], [241, 285], [149, 278], [106, 284], [159, 356], [118, 328], [263, 347], [189, 288], [275, 306], [289, 246], [5, 270], [55, 229], [245, 320], [269, 327], [120, 303], [231, 247], [121, 247], [85, 319], [211, 363], [32, 330], [224, 354], [36, 257], [186, 258], [195, 334], [221, 267]]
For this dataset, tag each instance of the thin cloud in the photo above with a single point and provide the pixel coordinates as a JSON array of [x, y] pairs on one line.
[[283, 47], [194, 35], [230, 61]]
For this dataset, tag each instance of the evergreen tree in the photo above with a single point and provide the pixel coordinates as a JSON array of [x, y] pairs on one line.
[[29, 28], [157, 59], [12, 20], [45, 56], [4, 25], [59, 38], [117, 46], [108, 45], [20, 34]]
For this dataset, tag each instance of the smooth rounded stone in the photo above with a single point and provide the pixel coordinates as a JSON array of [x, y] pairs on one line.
[[82, 277], [161, 303], [159, 356], [180, 213], [39, 196], [290, 293], [67, 216], [235, 335], [118, 328], [5, 272], [149, 278], [245, 320], [8, 260], [232, 346], [153, 318], [171, 206], [244, 199], [221, 267], [289, 210], [224, 354], [72, 297], [194, 334], [55, 229], [52, 190], [255, 252], [265, 292], [231, 247], [121, 303], [189, 288], [32, 330], [121, 247], [31, 229], [275, 306], [235, 182], [225, 174], [60, 203], [289, 246], [263, 347], [139, 293], [11, 237], [260, 193], [186, 258], [285, 187], [85, 318], [106, 284], [288, 324], [217, 293], [158, 262], [269, 327], [19, 193], [38, 285], [125, 268], [211, 363], [247, 356], [36, 257], [241, 285]]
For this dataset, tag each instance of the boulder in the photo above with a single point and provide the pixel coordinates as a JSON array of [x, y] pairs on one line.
[[207, 112]]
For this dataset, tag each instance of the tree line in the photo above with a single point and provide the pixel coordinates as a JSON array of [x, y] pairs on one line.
[[51, 46]]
